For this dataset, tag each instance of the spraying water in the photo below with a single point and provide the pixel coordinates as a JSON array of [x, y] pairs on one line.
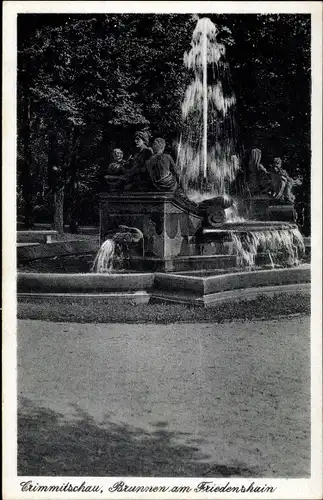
[[207, 153]]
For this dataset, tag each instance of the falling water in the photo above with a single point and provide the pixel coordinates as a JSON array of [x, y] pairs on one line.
[[103, 262], [207, 153], [234, 213], [285, 246]]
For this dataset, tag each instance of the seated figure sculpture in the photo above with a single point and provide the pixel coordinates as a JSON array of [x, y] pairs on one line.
[[257, 177], [138, 178], [116, 173], [282, 183], [130, 175], [161, 168]]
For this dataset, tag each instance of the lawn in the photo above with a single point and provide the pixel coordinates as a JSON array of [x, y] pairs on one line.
[[101, 311]]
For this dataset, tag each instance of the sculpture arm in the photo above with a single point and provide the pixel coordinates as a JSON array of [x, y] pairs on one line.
[[263, 169], [281, 190]]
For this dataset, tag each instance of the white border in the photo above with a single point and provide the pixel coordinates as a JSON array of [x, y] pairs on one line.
[[286, 488]]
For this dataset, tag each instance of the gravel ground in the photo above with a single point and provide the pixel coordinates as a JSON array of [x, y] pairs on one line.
[[165, 400]]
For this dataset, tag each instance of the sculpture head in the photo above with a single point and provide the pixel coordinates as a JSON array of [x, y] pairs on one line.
[[141, 139], [277, 164], [254, 158], [128, 234], [159, 145], [117, 155]]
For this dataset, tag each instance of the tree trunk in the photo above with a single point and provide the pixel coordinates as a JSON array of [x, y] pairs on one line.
[[26, 177], [58, 203]]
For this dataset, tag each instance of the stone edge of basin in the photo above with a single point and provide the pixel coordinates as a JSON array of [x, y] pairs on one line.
[[159, 282], [263, 277], [238, 280], [41, 251], [242, 294], [161, 296], [83, 283]]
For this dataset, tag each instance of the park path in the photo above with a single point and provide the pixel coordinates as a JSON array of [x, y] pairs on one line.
[[238, 393]]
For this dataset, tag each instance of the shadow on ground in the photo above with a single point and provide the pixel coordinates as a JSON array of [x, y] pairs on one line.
[[51, 445]]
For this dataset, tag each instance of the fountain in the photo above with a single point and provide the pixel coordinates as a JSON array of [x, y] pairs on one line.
[[179, 231], [204, 242]]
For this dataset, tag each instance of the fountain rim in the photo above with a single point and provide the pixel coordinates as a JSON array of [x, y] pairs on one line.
[[242, 227], [164, 287], [157, 274]]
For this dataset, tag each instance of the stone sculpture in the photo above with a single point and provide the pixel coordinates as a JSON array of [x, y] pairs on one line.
[[161, 168], [214, 209], [257, 177], [116, 249], [138, 178], [117, 172], [282, 183]]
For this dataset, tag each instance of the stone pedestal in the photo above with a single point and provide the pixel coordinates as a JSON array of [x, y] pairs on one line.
[[168, 222], [171, 227], [264, 208]]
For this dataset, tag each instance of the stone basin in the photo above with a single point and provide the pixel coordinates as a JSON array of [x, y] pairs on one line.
[[202, 290]]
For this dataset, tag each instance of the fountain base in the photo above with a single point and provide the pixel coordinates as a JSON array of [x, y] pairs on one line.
[[168, 222], [179, 259], [265, 208], [176, 236]]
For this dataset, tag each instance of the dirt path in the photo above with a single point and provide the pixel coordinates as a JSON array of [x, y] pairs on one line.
[[184, 399]]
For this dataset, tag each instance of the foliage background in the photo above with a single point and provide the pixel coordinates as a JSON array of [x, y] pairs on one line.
[[87, 82]]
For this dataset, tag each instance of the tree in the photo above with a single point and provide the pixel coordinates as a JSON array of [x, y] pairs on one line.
[[66, 72]]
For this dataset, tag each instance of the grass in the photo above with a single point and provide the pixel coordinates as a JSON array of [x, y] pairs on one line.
[[263, 307]]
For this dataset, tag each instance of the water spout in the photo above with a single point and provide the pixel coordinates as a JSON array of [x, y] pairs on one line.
[[116, 249], [103, 262], [207, 153]]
